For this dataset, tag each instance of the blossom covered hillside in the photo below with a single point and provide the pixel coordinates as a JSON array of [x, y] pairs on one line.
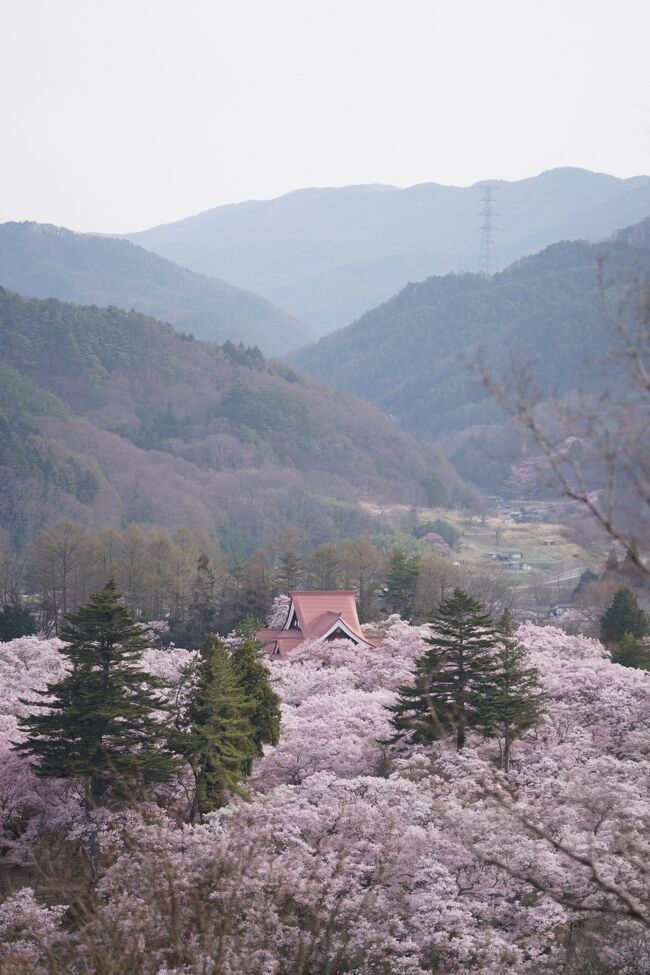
[[355, 856]]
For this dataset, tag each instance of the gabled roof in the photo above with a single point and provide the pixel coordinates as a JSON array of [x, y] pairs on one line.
[[316, 611], [316, 615]]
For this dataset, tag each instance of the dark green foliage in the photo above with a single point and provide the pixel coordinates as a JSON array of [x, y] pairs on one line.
[[440, 527], [624, 615], [19, 396], [243, 355], [20, 400], [201, 616], [632, 652], [16, 621], [626, 627], [236, 542], [157, 427], [451, 677], [264, 410], [289, 570], [287, 372], [254, 583], [203, 606], [510, 699], [586, 577], [434, 490], [263, 704], [49, 340], [216, 735], [99, 721], [401, 583]]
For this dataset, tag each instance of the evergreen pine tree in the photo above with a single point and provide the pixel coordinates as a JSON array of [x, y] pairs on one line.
[[450, 676], [401, 584], [624, 615], [510, 701], [632, 652], [16, 621], [254, 592], [203, 606], [263, 704], [216, 736], [289, 570], [584, 580], [99, 721]]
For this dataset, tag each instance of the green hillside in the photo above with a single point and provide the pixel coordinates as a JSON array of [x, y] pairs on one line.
[[112, 417], [50, 262], [410, 356]]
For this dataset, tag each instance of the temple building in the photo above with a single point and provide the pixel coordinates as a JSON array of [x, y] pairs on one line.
[[320, 615]]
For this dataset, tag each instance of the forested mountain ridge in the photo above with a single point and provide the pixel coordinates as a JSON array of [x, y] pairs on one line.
[[637, 235], [42, 261], [112, 417], [330, 254], [410, 355]]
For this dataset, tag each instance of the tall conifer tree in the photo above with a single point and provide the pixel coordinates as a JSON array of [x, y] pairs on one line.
[[401, 583], [98, 722], [203, 606], [263, 704], [623, 615], [510, 700], [632, 652], [289, 568], [216, 736], [450, 676]]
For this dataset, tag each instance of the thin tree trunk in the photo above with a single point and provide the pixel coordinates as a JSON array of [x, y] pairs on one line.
[[460, 734], [506, 752], [90, 788]]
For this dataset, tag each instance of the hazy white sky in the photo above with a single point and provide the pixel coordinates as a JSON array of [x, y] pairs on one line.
[[120, 114]]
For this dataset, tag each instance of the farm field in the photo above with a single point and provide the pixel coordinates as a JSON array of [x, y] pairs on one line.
[[543, 544]]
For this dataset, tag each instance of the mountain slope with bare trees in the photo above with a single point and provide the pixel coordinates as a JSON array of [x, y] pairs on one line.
[[111, 417]]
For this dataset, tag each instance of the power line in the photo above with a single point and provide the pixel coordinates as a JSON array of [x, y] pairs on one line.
[[488, 213]]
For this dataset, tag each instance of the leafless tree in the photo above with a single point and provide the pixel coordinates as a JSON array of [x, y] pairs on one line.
[[594, 445], [12, 577]]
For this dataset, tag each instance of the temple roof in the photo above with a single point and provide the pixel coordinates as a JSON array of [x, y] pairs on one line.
[[316, 611], [315, 615]]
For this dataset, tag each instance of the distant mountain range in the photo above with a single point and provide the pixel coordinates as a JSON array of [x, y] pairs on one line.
[[42, 261], [328, 255], [410, 355], [111, 417]]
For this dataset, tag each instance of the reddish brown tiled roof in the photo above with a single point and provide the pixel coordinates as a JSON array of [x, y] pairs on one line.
[[312, 608], [317, 614], [279, 642]]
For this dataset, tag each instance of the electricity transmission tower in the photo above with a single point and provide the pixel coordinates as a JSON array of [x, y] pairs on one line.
[[488, 213]]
